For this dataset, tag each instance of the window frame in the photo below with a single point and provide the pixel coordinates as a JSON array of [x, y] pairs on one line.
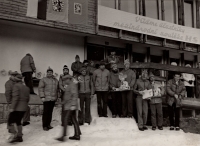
[[183, 11]]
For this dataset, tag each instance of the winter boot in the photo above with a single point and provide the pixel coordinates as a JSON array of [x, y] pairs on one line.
[[62, 138], [75, 137], [16, 139]]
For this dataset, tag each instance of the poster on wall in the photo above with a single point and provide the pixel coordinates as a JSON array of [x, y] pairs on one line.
[[145, 25]]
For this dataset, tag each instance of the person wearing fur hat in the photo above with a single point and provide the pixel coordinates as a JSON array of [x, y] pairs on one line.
[[127, 96], [86, 90], [75, 67], [70, 103], [48, 92], [19, 105], [189, 82], [101, 79], [116, 96], [8, 93], [27, 67], [156, 104]]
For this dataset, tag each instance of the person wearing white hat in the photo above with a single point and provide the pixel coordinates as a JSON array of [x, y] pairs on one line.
[[189, 82]]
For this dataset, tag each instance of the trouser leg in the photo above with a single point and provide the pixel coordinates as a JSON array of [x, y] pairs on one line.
[[75, 123], [51, 106], [81, 113], [171, 114], [124, 104], [153, 114], [66, 117], [160, 114], [99, 104], [87, 108], [26, 117], [145, 111], [105, 100], [130, 103], [114, 103], [139, 111], [177, 116]]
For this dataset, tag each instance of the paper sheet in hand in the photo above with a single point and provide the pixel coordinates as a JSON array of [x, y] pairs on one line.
[[147, 94]]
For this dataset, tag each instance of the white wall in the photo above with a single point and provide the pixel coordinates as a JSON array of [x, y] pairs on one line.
[[48, 47]]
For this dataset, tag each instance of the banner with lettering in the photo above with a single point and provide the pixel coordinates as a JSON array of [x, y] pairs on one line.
[[135, 23]]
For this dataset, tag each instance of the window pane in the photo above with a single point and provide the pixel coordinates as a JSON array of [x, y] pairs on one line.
[[107, 3], [128, 6], [95, 53], [169, 10], [151, 8], [188, 14]]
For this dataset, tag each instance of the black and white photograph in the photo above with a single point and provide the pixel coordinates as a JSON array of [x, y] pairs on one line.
[[100, 72]]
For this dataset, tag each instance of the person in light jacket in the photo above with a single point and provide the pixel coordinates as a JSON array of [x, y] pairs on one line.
[[175, 93], [188, 80], [27, 67], [156, 104], [101, 84], [86, 91], [127, 96], [70, 103], [19, 105], [48, 92], [142, 104]]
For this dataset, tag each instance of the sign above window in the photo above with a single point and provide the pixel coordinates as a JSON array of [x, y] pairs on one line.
[[135, 23]]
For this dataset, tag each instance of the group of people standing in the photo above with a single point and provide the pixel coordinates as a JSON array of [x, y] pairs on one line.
[[88, 80]]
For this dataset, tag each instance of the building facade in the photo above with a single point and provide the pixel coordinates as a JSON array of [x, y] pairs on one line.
[[56, 44]]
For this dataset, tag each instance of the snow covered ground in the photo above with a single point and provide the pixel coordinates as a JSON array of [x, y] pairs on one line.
[[101, 132]]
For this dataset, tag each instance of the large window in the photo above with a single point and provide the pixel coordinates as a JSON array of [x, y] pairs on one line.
[[151, 8], [188, 13], [128, 6], [95, 53], [107, 3], [169, 10], [138, 57]]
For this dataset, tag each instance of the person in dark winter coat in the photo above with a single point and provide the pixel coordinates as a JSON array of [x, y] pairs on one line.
[[92, 67], [75, 67], [27, 68], [48, 92], [8, 93], [112, 59], [19, 105], [116, 96], [127, 96], [86, 91], [175, 93], [156, 105], [142, 104], [101, 84], [70, 103]]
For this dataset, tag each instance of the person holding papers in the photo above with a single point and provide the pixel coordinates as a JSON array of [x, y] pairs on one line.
[[142, 84]]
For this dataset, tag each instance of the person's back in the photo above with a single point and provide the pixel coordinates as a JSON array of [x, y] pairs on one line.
[[20, 97], [8, 89], [27, 64]]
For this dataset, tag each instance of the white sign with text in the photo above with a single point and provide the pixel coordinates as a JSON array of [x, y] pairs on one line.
[[136, 23]]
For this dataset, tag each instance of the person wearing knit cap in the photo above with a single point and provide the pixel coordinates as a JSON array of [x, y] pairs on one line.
[[86, 91], [189, 82], [19, 105], [101, 79], [127, 96], [92, 67], [27, 67], [62, 86], [86, 65], [116, 96], [48, 92], [75, 67], [70, 106]]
